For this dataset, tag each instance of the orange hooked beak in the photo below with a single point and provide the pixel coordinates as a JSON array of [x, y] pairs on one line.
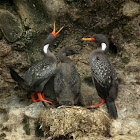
[[89, 39], [53, 32]]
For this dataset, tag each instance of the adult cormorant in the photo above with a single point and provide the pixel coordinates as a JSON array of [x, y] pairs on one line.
[[38, 75], [104, 75]]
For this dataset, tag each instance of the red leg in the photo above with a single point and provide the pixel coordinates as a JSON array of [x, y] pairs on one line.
[[43, 96], [42, 99], [33, 98], [103, 101]]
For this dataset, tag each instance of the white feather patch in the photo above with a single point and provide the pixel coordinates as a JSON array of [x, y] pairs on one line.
[[45, 48], [103, 46]]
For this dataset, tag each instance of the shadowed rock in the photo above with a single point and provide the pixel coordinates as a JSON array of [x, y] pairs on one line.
[[10, 26]]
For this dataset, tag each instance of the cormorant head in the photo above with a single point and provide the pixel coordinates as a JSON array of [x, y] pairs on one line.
[[68, 51], [100, 39], [51, 37]]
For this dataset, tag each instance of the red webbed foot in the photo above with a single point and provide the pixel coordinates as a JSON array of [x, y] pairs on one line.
[[33, 98], [41, 98], [92, 106]]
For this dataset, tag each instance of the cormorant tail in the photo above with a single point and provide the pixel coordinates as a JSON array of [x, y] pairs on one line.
[[112, 110], [17, 78]]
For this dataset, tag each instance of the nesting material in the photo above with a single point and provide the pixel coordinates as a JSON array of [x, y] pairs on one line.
[[76, 121]]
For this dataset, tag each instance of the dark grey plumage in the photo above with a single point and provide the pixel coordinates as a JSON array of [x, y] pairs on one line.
[[67, 80], [37, 75], [103, 74]]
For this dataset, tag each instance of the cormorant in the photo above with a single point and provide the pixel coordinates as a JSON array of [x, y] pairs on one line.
[[67, 80], [38, 75], [104, 75]]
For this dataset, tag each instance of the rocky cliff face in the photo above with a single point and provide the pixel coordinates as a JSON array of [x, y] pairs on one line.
[[25, 24]]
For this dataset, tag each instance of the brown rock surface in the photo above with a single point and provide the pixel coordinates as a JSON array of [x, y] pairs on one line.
[[131, 9], [34, 21], [4, 49], [10, 26]]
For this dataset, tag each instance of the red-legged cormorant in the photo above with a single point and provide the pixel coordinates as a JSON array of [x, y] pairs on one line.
[[104, 75], [38, 75], [67, 80]]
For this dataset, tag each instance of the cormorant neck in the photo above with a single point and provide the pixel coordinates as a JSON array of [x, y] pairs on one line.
[[64, 58], [48, 53], [104, 47], [46, 50]]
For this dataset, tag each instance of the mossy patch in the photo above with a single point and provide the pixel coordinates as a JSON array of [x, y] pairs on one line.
[[38, 131], [27, 126]]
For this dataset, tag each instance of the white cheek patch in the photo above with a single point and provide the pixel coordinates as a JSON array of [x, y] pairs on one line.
[[103, 46], [45, 48]]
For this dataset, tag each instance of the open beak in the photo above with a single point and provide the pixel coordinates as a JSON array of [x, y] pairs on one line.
[[53, 32], [89, 39]]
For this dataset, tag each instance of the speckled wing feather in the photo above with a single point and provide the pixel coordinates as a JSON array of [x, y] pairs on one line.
[[39, 72], [102, 70]]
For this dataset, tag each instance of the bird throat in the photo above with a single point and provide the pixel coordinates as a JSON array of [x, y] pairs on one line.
[[103, 45], [45, 48]]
